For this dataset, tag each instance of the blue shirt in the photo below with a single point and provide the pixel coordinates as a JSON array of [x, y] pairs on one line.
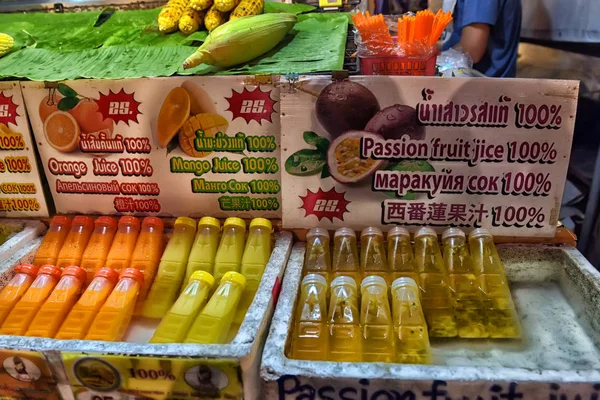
[[504, 18]]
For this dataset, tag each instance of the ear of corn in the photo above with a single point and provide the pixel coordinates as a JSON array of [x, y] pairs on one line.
[[168, 18], [248, 8], [190, 21], [214, 18], [242, 40], [200, 5], [226, 5], [6, 44]]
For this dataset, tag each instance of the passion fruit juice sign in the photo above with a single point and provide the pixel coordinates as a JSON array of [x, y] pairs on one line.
[[426, 151], [176, 146]]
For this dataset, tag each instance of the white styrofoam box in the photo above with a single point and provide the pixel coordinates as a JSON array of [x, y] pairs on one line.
[[30, 230]]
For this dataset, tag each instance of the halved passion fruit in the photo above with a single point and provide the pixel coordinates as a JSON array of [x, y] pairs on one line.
[[344, 160]]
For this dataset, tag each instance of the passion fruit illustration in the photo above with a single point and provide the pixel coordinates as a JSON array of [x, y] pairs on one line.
[[395, 121], [344, 161], [408, 166], [345, 106]]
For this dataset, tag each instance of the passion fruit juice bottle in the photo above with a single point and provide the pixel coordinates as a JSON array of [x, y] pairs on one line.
[[72, 250], [204, 249], [435, 290], [47, 254], [343, 321], [310, 339], [376, 321], [401, 258], [231, 248], [345, 254], [121, 250], [372, 253], [502, 318], [468, 297], [96, 251], [16, 288], [317, 259], [410, 328]]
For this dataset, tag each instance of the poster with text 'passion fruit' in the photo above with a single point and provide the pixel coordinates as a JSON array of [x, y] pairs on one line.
[[170, 147], [440, 152]]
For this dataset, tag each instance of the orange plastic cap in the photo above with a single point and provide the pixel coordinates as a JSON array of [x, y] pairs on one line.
[[75, 271], [134, 274], [86, 222], [109, 274], [50, 270], [60, 220], [28, 269], [108, 221], [155, 222], [128, 220]]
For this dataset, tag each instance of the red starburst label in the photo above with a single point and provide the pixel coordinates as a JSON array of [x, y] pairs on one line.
[[329, 204], [254, 105], [119, 106], [8, 110]]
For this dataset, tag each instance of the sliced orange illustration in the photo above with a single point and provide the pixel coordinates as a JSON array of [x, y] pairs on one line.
[[173, 114], [61, 131]]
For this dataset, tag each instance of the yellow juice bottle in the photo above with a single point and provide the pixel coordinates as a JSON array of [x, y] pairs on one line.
[[343, 321], [121, 250], [376, 321], [176, 324], [317, 259], [410, 328], [16, 288], [372, 253], [310, 339], [345, 254], [436, 296], [81, 316], [96, 251], [24, 311], [255, 259], [111, 322], [468, 297], [401, 259], [502, 318], [204, 249], [171, 269], [47, 254], [231, 248], [72, 249], [56, 307], [213, 323]]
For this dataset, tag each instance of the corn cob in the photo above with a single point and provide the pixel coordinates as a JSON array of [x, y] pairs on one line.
[[226, 5], [169, 16], [191, 20], [242, 40], [247, 8], [200, 5], [214, 18], [6, 44]]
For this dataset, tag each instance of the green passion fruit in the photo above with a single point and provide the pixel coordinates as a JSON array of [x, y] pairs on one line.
[[344, 160]]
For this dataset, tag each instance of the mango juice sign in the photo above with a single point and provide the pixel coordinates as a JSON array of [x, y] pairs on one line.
[[21, 192], [26, 375], [378, 151], [175, 146]]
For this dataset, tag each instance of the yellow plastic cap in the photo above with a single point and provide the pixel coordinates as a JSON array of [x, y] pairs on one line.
[[185, 221], [204, 277], [234, 277], [235, 222], [209, 221], [262, 222]]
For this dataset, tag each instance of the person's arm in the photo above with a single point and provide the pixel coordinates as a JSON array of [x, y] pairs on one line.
[[474, 40]]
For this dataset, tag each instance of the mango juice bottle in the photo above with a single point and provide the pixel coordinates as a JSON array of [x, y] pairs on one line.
[[502, 318], [111, 322], [24, 311], [317, 259], [376, 321], [147, 253], [176, 324], [310, 339], [231, 248], [372, 253], [121, 250], [213, 323], [81, 316], [468, 297], [343, 321], [72, 249], [401, 259], [256, 257], [96, 251], [436, 296], [16, 288], [47, 254], [345, 255], [410, 328], [171, 269], [50, 316], [204, 249]]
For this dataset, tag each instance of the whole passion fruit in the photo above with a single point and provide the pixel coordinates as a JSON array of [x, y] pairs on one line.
[[344, 160], [395, 121], [345, 106]]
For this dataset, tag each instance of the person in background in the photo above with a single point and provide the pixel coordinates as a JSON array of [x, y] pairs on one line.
[[488, 31], [388, 7]]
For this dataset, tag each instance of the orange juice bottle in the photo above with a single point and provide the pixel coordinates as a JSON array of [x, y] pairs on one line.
[[204, 250], [16, 288], [372, 253], [111, 322], [317, 259], [96, 251], [121, 250], [345, 254], [24, 311], [54, 310], [376, 321], [401, 258], [47, 254], [76, 241], [82, 314], [147, 253], [231, 247]]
